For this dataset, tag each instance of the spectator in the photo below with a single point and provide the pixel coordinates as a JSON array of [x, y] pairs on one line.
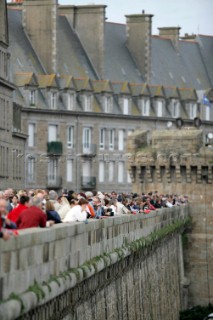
[[32, 216], [7, 198], [78, 212], [15, 203], [4, 221], [15, 213], [51, 213]]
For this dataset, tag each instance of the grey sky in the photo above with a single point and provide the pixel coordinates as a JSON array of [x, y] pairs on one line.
[[193, 16]]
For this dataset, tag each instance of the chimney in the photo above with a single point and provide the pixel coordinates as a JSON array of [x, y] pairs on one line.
[[89, 22], [40, 23], [67, 11], [139, 31], [171, 33]]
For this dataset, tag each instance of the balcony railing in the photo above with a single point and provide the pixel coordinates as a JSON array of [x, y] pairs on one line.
[[54, 182], [89, 150], [88, 183], [54, 148]]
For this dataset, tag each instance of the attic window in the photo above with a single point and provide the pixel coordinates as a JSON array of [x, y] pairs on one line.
[[87, 103], [53, 100], [125, 106], [32, 97], [70, 101], [107, 104]]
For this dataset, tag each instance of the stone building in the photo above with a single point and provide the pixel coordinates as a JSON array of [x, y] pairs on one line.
[[83, 92], [181, 162], [12, 141]]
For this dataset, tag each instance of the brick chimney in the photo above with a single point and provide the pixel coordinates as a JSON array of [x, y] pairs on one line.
[[139, 31], [89, 21], [171, 33], [40, 23]]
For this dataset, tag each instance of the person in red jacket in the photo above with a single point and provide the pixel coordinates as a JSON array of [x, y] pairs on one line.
[[15, 213], [33, 216]]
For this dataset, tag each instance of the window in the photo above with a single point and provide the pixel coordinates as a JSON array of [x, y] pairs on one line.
[[145, 107], [111, 171], [175, 105], [69, 170], [120, 172], [87, 103], [121, 140], [70, 101], [70, 136], [52, 132], [159, 104], [101, 171], [32, 97], [208, 109], [102, 139], [111, 139], [31, 169], [192, 110], [107, 104], [31, 135], [52, 170], [53, 100], [125, 106], [87, 139]]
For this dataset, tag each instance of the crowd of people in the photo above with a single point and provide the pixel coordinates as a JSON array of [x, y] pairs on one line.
[[42, 208]]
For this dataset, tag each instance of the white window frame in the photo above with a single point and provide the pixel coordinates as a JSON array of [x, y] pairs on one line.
[[175, 106], [192, 110], [120, 172], [31, 135], [70, 137], [159, 107], [30, 169], [111, 171], [101, 171], [120, 139], [32, 97], [145, 106], [87, 103], [111, 139], [102, 138], [107, 103], [53, 100], [87, 138], [52, 170], [208, 113], [69, 170], [70, 101], [126, 106], [52, 132]]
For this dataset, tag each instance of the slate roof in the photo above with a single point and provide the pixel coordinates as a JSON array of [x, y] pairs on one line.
[[206, 49], [119, 64], [182, 67]]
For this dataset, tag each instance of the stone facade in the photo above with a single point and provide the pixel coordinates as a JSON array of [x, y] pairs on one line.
[[180, 162], [139, 281], [11, 143]]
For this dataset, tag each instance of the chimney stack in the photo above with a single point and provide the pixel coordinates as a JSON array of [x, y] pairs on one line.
[[139, 32], [40, 23], [171, 33], [89, 22]]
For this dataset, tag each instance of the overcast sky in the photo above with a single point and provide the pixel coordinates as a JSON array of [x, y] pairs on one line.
[[193, 16]]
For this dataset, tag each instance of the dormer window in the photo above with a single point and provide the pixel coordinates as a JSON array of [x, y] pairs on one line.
[[159, 108], [70, 101], [125, 106], [53, 100], [145, 106], [175, 108], [107, 104], [192, 110], [87, 103], [32, 94]]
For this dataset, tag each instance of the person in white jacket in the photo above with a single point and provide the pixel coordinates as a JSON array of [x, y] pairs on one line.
[[77, 213]]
